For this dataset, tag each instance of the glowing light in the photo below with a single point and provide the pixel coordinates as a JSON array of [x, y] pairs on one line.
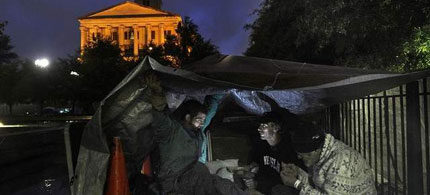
[[150, 48], [74, 73], [1, 124], [42, 63]]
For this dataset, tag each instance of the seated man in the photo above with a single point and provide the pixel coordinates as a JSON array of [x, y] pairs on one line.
[[268, 154], [179, 144], [334, 168]]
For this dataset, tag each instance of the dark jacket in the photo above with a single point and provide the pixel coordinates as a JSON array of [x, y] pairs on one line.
[[178, 147], [269, 161]]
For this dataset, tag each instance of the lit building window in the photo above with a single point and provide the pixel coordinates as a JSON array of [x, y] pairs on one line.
[[115, 36], [117, 26], [152, 35]]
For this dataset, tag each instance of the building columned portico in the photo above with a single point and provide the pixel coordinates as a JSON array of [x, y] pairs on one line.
[[131, 25]]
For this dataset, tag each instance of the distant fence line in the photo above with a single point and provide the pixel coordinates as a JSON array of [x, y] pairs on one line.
[[391, 130]]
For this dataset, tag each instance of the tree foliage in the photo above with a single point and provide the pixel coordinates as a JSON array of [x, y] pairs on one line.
[[8, 79], [178, 51], [6, 54], [8, 68], [416, 51], [356, 33], [99, 70]]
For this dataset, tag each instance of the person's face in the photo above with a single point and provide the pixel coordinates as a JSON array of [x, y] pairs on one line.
[[197, 121], [310, 158], [269, 132]]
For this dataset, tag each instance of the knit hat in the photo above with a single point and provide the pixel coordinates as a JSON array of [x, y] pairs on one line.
[[307, 138], [271, 117]]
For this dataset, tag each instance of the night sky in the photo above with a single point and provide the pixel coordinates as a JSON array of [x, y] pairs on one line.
[[47, 28]]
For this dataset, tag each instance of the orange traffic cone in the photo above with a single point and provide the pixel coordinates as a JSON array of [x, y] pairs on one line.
[[117, 181], [146, 167]]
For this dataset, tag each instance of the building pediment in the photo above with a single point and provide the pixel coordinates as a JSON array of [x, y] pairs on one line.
[[127, 9]]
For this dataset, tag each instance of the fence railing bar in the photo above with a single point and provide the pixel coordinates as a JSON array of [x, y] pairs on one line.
[[358, 125], [414, 142], [31, 131], [350, 130], [335, 120], [363, 107], [346, 124], [324, 122], [387, 133], [342, 126], [354, 125], [381, 142], [396, 172], [426, 130], [345, 127], [402, 125], [378, 96], [375, 140], [326, 119], [369, 138]]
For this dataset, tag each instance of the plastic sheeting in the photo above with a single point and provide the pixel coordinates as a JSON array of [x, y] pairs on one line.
[[299, 87]]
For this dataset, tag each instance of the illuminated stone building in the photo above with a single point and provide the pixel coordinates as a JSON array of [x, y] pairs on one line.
[[151, 3], [130, 25]]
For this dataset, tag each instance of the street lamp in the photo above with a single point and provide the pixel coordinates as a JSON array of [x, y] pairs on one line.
[[73, 73], [42, 63]]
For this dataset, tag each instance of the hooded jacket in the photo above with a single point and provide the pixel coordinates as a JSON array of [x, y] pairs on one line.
[[340, 170]]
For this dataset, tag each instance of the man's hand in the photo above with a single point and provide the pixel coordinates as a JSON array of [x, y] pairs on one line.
[[289, 174], [253, 167], [250, 183], [273, 105], [158, 100], [153, 83]]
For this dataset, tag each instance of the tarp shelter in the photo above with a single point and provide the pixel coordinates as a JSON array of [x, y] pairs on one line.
[[299, 87]]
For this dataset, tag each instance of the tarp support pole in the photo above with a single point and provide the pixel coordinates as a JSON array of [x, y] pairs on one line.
[[413, 137], [68, 155]]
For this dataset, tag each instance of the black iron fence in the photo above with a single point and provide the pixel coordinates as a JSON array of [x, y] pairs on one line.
[[391, 130]]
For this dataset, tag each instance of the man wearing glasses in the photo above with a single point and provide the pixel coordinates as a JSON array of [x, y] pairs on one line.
[[269, 152]]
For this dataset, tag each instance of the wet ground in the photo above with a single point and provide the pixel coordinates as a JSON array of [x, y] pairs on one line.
[[33, 161]]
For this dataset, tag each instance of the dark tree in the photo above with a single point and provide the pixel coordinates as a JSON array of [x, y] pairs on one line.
[[8, 69], [356, 33], [193, 46], [9, 75], [34, 84], [6, 54], [178, 51], [100, 69]]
